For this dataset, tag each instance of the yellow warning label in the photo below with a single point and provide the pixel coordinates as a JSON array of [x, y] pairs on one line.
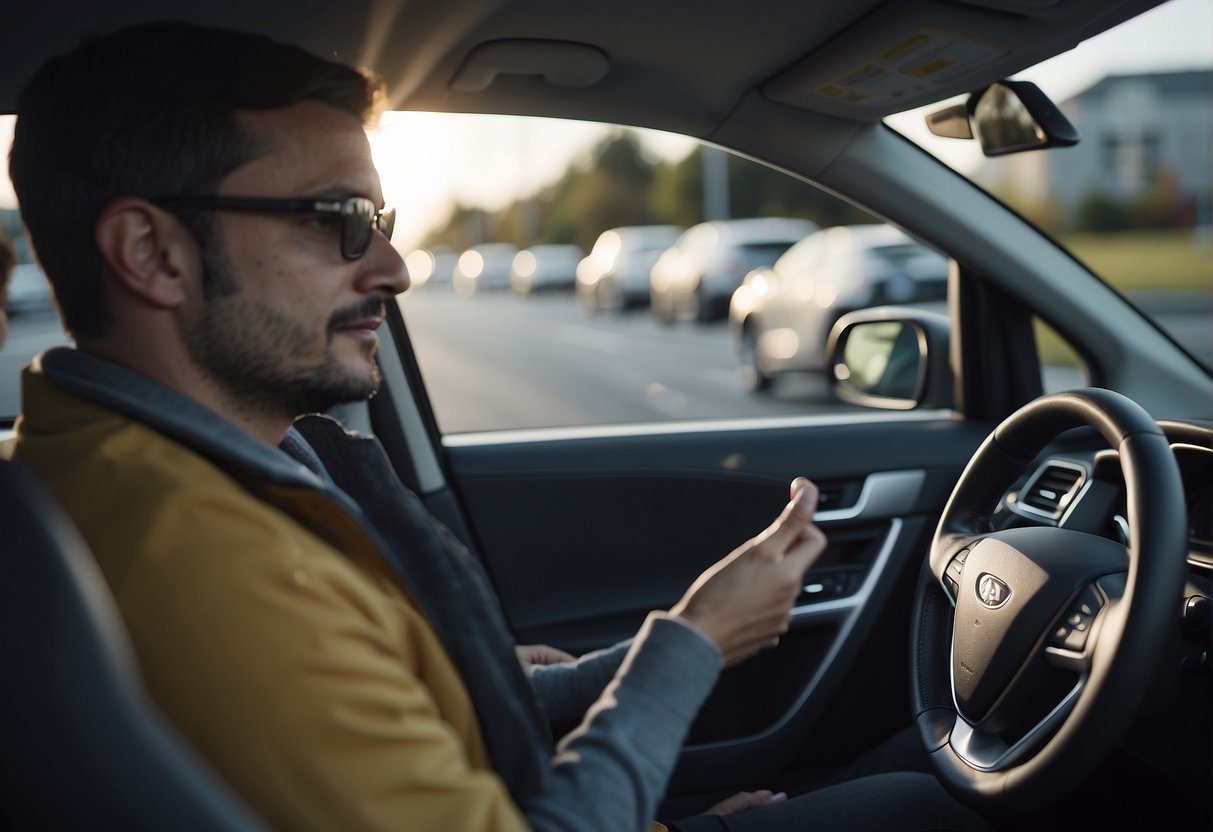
[[842, 93], [926, 60], [928, 69], [865, 74], [908, 45]]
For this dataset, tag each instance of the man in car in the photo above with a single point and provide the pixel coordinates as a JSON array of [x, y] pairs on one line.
[[219, 249]]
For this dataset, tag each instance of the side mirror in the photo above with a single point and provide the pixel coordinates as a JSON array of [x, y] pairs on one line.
[[1007, 117], [891, 357]]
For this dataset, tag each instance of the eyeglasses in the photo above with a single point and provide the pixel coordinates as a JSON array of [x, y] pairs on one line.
[[358, 214]]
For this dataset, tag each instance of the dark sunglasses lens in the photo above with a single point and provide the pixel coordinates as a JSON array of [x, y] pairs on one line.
[[357, 216]]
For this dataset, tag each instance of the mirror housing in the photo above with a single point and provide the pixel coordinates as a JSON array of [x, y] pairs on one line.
[[892, 358], [1006, 117]]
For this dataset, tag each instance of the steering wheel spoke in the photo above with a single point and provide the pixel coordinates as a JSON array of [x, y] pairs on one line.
[[991, 751]]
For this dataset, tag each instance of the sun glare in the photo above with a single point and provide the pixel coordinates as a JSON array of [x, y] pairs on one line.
[[430, 161]]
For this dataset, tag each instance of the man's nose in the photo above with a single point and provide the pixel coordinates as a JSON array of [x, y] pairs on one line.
[[383, 267]]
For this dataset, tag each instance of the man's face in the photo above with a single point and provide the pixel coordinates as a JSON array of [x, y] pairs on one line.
[[290, 329]]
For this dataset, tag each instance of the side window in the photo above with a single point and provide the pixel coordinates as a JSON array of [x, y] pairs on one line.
[[1061, 367], [626, 335]]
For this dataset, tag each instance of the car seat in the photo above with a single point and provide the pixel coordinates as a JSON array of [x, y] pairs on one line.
[[81, 746]]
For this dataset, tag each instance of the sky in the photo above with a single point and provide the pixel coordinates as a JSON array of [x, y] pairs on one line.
[[429, 161]]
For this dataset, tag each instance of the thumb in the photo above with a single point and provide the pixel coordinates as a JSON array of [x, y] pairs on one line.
[[796, 516]]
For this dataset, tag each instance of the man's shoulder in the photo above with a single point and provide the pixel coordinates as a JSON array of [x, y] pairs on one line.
[[134, 493], [95, 458]]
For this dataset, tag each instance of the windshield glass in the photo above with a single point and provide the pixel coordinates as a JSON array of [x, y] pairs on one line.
[[1132, 199]]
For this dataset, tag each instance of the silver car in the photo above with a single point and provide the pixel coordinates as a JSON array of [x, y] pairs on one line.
[[482, 268], [615, 275], [780, 318], [695, 278], [542, 267]]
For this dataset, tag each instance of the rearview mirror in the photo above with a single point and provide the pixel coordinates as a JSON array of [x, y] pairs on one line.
[[1007, 117]]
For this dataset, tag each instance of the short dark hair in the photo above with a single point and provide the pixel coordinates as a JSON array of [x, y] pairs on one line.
[[147, 111]]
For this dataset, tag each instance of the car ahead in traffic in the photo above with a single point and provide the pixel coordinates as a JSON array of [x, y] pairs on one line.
[[615, 274], [1017, 570], [780, 317], [431, 267], [483, 268], [694, 278], [543, 267]]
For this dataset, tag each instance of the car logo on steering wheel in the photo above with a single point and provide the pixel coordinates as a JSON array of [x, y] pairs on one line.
[[991, 591]]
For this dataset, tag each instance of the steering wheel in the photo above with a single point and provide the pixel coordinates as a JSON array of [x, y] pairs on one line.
[[1033, 648]]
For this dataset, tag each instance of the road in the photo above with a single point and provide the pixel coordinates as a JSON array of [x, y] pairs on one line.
[[496, 362]]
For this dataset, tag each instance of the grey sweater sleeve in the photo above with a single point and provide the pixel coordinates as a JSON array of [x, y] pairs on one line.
[[609, 774], [566, 691]]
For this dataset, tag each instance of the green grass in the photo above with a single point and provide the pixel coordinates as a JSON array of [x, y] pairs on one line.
[[1051, 348], [1132, 261], [1171, 260]]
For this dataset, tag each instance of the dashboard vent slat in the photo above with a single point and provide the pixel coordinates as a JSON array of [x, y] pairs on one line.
[[1050, 490]]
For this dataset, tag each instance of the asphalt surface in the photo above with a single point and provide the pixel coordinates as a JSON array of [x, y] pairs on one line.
[[495, 361]]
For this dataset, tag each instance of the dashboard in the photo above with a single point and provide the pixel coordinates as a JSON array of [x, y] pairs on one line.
[[1077, 483]]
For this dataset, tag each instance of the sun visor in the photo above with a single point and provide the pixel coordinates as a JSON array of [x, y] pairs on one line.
[[905, 55]]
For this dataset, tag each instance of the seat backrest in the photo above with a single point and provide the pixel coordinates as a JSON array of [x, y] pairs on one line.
[[81, 745]]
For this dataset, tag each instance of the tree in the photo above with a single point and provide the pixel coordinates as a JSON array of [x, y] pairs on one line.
[[618, 185], [755, 190]]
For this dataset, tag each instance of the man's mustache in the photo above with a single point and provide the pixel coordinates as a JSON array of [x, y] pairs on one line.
[[370, 309]]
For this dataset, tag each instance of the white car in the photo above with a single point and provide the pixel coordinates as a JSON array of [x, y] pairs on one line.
[[615, 274], [695, 277], [780, 317], [483, 268], [544, 267]]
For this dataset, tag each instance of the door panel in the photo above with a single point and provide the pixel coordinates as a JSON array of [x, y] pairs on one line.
[[584, 534]]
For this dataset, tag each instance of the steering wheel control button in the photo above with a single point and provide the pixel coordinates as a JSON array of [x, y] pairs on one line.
[[1071, 634], [951, 576], [1195, 618]]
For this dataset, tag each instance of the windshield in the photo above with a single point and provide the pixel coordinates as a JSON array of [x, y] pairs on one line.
[[1131, 200]]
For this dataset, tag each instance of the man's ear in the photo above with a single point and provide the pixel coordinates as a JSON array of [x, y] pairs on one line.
[[147, 250]]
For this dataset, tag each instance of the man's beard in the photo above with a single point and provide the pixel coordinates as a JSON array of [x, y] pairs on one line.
[[250, 350]]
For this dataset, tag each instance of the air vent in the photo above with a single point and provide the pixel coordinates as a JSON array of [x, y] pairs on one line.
[[1050, 490]]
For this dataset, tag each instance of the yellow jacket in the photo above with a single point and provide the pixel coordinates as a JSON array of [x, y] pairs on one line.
[[306, 677]]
